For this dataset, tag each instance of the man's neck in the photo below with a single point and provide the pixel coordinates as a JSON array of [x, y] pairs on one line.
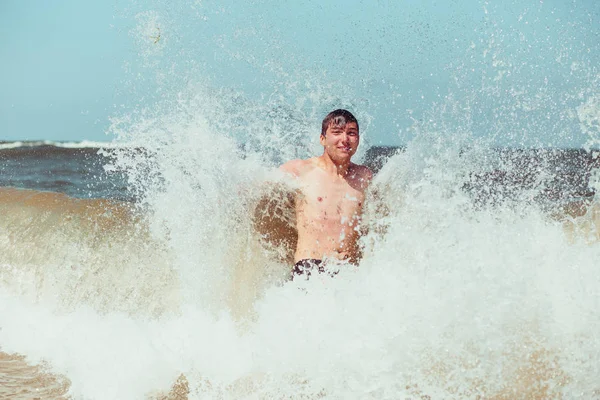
[[340, 169]]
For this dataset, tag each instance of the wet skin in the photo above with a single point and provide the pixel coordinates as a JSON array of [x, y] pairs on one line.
[[329, 197]]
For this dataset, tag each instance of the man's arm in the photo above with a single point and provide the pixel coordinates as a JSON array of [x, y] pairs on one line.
[[292, 167], [376, 207], [274, 217], [376, 210], [365, 176]]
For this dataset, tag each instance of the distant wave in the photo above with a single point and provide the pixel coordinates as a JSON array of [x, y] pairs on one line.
[[4, 145]]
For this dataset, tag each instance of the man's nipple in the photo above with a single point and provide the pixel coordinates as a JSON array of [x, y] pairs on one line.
[[319, 198]]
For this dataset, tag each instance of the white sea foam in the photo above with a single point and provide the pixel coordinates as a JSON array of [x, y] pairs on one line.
[[452, 299]]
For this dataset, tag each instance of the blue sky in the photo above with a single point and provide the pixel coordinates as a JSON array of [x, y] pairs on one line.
[[515, 67], [61, 64]]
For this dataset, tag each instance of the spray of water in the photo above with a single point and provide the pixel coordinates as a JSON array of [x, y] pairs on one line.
[[464, 291]]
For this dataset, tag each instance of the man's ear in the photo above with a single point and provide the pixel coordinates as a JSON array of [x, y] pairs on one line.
[[322, 139]]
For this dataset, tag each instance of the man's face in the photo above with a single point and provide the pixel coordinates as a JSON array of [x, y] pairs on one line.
[[341, 142]]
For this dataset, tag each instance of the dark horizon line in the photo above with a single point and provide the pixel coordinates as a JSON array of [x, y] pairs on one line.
[[48, 142], [382, 146]]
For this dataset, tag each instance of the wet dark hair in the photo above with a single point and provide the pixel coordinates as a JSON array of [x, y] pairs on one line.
[[337, 117]]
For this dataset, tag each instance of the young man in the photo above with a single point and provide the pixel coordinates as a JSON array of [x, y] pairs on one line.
[[330, 197]]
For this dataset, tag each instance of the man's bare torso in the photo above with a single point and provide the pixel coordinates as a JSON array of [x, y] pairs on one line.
[[328, 209]]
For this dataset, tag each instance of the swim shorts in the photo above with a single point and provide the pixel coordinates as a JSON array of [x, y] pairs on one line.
[[308, 265]]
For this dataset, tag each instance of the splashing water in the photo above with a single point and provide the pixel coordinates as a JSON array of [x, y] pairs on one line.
[[454, 298]]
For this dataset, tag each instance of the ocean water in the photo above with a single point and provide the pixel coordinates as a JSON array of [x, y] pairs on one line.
[[476, 285], [133, 269], [73, 168]]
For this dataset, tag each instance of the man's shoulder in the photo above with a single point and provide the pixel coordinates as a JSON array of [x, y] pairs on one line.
[[297, 167], [362, 171], [362, 175]]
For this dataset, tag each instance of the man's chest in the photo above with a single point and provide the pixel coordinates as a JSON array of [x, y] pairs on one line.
[[329, 198]]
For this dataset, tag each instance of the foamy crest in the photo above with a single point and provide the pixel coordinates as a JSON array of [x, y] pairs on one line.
[[495, 290], [456, 296], [452, 299]]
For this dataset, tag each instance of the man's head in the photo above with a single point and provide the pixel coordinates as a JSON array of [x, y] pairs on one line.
[[338, 118], [339, 135]]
